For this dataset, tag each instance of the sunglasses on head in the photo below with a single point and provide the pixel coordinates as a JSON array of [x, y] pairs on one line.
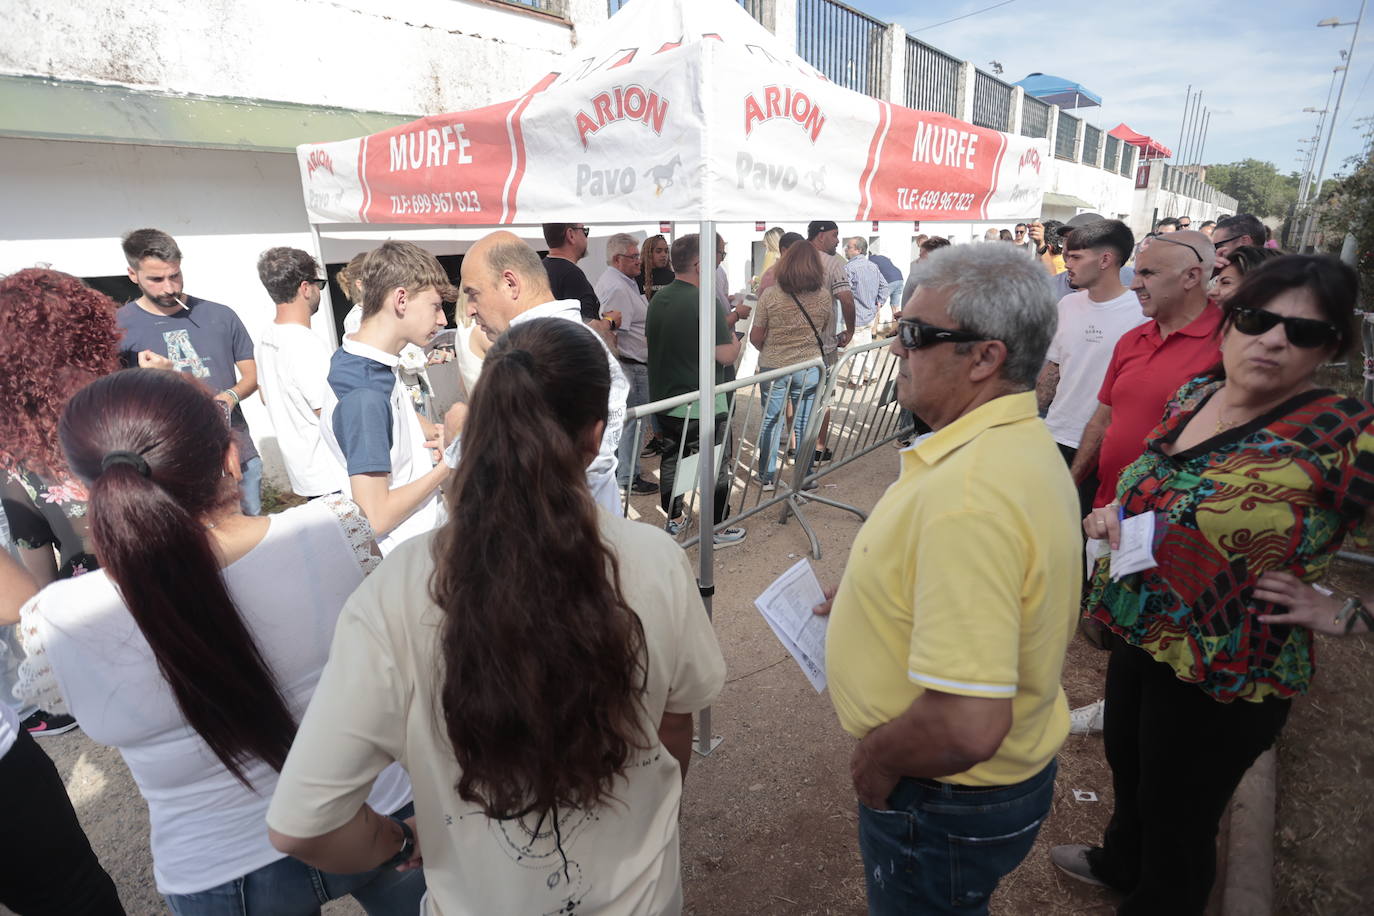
[[1164, 237], [1307, 333], [915, 334]]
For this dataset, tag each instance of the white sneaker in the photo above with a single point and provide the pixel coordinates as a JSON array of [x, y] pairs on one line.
[[728, 537], [1087, 720]]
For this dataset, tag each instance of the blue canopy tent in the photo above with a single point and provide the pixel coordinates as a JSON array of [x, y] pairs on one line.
[[1055, 90]]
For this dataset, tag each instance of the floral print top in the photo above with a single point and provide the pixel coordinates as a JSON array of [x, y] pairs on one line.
[[1281, 492], [44, 513]]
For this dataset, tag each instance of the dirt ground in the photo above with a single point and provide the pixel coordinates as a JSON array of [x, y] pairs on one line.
[[769, 824]]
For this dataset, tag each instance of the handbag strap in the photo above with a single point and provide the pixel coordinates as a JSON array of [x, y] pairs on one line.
[[809, 322]]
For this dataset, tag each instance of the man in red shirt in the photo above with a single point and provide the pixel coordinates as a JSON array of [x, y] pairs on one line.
[[1152, 361]]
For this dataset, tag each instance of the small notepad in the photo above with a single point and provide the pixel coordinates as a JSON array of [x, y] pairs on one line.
[[1136, 550]]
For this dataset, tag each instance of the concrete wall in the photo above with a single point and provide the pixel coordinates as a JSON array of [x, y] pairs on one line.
[[407, 56]]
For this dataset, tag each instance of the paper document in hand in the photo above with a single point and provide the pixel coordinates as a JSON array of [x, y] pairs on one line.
[[786, 604], [1136, 549]]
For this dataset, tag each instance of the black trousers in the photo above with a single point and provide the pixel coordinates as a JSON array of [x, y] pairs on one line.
[[46, 864], [1087, 489], [1176, 755], [676, 430]]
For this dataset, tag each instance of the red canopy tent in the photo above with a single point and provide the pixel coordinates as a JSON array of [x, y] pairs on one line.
[[1150, 148]]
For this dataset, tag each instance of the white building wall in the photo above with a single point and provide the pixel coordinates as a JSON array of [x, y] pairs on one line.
[[406, 56]]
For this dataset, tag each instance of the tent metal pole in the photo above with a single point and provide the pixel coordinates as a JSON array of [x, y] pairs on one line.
[[706, 451], [326, 304]]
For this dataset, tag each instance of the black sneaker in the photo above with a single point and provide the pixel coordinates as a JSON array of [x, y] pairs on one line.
[[824, 455], [655, 447], [643, 486], [45, 724]]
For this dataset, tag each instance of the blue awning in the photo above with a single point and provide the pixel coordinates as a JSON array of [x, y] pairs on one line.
[[1056, 90]]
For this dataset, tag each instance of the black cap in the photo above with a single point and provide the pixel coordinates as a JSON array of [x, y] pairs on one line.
[[1083, 219], [817, 226]]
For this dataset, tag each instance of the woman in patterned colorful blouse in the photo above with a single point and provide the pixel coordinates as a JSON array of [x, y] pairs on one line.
[[1255, 477]]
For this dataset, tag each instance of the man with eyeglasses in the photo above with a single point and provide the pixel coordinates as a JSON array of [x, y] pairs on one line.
[[949, 628], [200, 337], [293, 363], [1151, 361], [567, 245], [1233, 232], [618, 292]]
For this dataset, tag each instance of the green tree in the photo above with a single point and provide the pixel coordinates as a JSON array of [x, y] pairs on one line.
[[1257, 186], [1349, 208]]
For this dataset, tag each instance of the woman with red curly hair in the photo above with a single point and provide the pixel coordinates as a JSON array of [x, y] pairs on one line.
[[56, 334]]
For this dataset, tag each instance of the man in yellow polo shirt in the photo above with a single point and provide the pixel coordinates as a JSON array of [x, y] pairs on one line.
[[961, 594]]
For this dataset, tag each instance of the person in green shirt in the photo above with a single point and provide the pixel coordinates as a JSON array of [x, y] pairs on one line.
[[672, 328]]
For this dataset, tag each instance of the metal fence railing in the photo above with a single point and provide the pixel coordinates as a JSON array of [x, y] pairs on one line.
[[1109, 160], [843, 43], [1092, 142], [1066, 139], [991, 101], [843, 422], [932, 78], [1035, 117]]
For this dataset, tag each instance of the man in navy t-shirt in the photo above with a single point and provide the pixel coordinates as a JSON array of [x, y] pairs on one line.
[[200, 337]]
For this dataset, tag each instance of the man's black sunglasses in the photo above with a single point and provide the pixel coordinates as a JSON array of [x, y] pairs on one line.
[[1307, 333], [319, 284], [1164, 237], [915, 334], [1218, 243]]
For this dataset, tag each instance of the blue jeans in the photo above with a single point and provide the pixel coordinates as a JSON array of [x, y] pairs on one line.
[[894, 295], [289, 887], [943, 850], [628, 458], [800, 389], [250, 488]]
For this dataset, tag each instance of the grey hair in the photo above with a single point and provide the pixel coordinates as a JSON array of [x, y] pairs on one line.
[[620, 243], [999, 292], [860, 244]]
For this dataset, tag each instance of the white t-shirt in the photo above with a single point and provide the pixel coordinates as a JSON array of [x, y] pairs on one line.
[[377, 703], [85, 648], [293, 362], [1082, 346]]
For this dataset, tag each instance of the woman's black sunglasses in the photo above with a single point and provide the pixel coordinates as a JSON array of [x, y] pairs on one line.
[[1302, 332], [915, 334]]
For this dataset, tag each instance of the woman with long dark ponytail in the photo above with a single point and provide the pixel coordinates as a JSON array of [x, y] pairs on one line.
[[535, 665], [196, 647]]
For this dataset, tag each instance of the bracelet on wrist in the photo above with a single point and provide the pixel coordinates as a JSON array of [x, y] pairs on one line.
[[233, 394]]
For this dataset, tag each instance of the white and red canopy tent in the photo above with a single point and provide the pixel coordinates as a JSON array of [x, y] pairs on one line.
[[682, 110], [676, 110]]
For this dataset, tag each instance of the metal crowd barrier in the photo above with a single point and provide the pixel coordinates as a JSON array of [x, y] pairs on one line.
[[854, 412]]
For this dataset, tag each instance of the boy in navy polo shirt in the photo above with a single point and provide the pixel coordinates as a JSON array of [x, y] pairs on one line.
[[368, 421]]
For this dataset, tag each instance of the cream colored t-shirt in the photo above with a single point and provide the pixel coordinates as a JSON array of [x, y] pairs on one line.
[[379, 700]]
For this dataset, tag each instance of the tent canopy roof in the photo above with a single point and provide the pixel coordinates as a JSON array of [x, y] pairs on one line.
[[1150, 148], [1056, 90]]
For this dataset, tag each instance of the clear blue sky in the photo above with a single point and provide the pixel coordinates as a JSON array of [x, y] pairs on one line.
[[1259, 63]]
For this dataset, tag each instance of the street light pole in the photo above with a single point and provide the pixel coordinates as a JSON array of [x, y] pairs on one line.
[[1331, 129]]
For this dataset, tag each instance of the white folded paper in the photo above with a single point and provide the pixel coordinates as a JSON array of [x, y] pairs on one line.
[[786, 604]]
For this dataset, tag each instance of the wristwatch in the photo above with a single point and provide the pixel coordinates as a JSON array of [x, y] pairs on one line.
[[407, 846]]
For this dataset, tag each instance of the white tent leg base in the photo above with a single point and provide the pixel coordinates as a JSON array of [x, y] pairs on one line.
[[705, 742]]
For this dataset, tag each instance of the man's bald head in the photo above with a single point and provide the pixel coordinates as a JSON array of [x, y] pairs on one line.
[[501, 278], [1171, 274]]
